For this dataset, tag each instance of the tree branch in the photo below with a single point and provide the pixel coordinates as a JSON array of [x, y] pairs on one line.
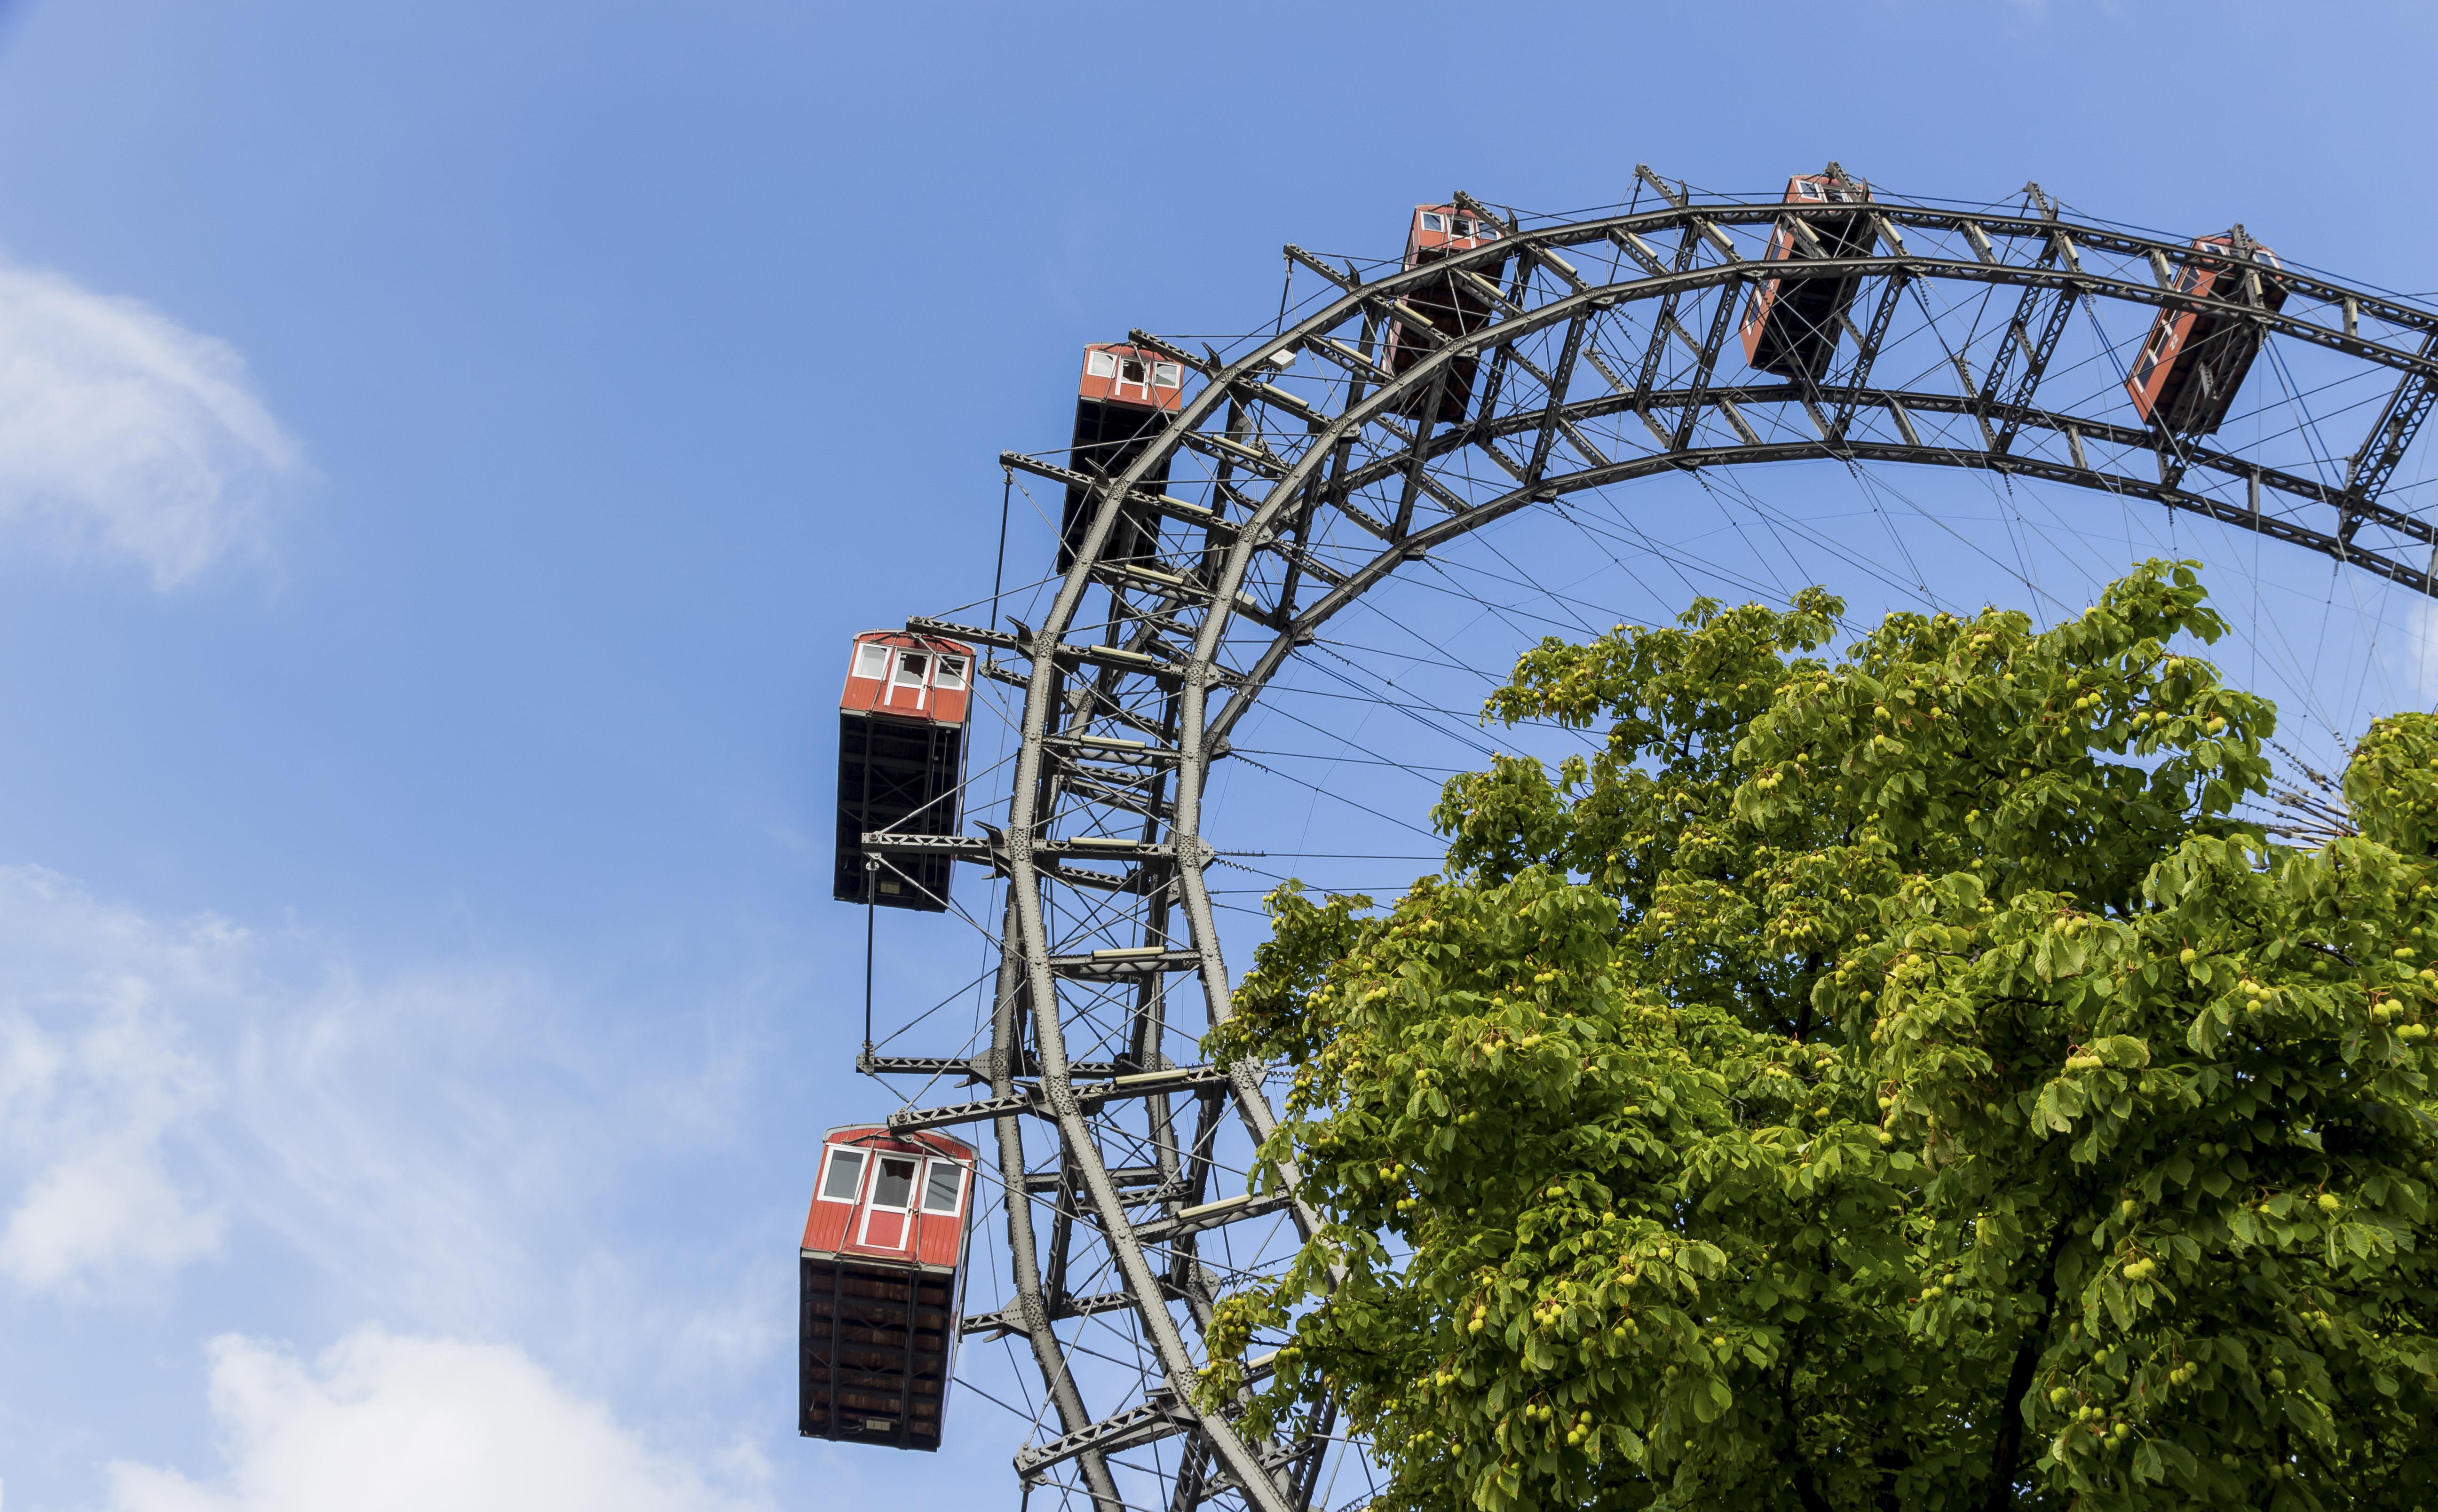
[[2007, 1453]]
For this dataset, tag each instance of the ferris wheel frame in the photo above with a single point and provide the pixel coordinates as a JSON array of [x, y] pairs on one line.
[[1161, 672]]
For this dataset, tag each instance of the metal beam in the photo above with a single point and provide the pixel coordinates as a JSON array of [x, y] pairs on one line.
[[2400, 420], [2037, 363], [1722, 320], [1145, 681]]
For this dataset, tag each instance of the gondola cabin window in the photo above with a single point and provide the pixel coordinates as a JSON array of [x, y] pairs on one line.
[[1126, 375], [1445, 226], [893, 1197], [910, 676]]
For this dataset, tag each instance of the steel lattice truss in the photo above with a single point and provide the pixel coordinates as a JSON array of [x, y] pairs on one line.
[[1977, 338]]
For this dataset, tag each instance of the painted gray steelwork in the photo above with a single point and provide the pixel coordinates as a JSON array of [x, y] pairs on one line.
[[1310, 496]]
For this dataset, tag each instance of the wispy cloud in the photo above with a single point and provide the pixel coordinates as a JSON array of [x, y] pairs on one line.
[[454, 1149], [441, 1144], [98, 1082], [383, 1422], [123, 433]]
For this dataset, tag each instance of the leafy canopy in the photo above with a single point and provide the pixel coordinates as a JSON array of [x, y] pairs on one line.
[[1893, 1082]]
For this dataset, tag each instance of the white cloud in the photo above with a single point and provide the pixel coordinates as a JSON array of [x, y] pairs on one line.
[[98, 1082], [449, 1149], [123, 431], [386, 1422]]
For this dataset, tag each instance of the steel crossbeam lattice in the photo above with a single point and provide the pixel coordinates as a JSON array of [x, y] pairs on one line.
[[1607, 356]]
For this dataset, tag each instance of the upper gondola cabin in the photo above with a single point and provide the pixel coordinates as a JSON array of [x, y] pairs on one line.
[[1792, 323], [901, 757], [882, 1283], [1123, 399], [2193, 361], [1453, 304]]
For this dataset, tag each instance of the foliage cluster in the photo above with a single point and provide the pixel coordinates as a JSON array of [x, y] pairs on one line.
[[1897, 1080]]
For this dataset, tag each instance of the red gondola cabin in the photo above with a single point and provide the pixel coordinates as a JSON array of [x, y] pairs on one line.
[[901, 756], [883, 1264], [2194, 360], [1791, 324], [1453, 305], [1122, 401]]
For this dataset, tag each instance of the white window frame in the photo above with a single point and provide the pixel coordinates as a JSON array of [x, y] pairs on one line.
[[947, 671], [921, 675], [870, 651], [1101, 365], [1434, 221], [863, 1168], [1167, 376], [954, 1208], [871, 1203]]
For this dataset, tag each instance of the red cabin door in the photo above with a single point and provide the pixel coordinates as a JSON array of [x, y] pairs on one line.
[[886, 1209], [909, 685], [1134, 381]]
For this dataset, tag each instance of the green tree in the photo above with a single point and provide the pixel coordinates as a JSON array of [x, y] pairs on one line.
[[1893, 1080]]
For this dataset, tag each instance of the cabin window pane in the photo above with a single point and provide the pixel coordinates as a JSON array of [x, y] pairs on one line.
[[894, 1184], [951, 672], [912, 668], [872, 662], [1101, 365], [1168, 375], [1462, 228], [1806, 188], [846, 1170], [1489, 232], [941, 1186], [1432, 222], [1134, 370]]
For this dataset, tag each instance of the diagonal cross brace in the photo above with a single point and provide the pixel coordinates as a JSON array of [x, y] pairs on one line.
[[2037, 363], [2375, 460], [1558, 385]]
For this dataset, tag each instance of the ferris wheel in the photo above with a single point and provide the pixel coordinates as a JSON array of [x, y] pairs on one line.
[[1276, 601]]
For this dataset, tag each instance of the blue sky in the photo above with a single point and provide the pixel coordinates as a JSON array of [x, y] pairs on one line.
[[444, 452]]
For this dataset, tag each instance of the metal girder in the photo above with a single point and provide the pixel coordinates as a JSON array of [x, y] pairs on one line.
[[2400, 420], [1208, 1216], [1722, 320], [1136, 1425], [2062, 303], [1183, 615], [2090, 284], [1115, 658], [1036, 1099], [1009, 1320], [1866, 352]]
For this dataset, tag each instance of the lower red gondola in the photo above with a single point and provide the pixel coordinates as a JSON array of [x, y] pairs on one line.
[[883, 1286]]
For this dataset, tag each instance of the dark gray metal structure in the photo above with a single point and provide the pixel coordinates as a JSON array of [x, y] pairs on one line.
[[1288, 495]]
